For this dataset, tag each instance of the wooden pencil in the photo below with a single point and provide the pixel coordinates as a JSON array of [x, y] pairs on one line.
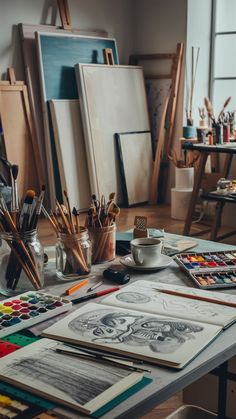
[[197, 297]]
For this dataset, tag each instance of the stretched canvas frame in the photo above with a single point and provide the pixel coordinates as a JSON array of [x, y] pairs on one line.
[[27, 36], [58, 53], [135, 159], [70, 148], [113, 99]]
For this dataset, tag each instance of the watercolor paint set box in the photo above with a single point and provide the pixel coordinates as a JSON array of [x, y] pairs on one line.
[[210, 269], [27, 309]]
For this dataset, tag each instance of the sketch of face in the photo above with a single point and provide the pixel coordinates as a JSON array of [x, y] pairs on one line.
[[107, 326], [133, 297]]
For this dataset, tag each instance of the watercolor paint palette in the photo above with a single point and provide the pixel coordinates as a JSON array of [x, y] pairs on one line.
[[210, 269], [27, 309]]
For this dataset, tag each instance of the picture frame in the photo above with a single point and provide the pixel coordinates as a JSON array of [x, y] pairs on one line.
[[136, 172]]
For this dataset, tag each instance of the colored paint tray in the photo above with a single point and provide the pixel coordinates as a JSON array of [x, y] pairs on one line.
[[210, 270], [29, 308], [22, 404], [7, 347], [20, 339]]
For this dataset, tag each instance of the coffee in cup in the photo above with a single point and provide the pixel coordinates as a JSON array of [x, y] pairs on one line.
[[146, 251]]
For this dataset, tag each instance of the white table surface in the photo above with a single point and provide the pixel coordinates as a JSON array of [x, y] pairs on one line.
[[166, 382]]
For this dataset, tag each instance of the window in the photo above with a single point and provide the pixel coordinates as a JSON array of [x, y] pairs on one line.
[[223, 54]]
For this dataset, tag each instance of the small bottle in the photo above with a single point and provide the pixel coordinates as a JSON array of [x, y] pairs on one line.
[[73, 254], [21, 262]]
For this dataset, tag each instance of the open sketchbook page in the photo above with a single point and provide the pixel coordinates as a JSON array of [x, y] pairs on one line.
[[144, 296], [81, 386], [153, 338]]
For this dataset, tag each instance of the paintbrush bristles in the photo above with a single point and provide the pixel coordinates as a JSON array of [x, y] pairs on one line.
[[209, 108], [210, 111], [224, 106], [15, 170]]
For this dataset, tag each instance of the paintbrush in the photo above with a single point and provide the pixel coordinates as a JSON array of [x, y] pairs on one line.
[[69, 212], [37, 211], [19, 246], [76, 217], [223, 108], [14, 197], [101, 358], [209, 108], [26, 210]]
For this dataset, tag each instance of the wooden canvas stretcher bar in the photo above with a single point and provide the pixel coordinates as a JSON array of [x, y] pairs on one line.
[[161, 172]]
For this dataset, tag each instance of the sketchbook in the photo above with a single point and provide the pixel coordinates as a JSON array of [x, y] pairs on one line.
[[141, 321], [83, 385]]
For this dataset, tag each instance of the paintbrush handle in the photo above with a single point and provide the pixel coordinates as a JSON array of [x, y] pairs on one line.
[[197, 297], [102, 359]]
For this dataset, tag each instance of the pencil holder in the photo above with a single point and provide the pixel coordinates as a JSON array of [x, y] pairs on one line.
[[73, 254], [103, 240], [21, 262]]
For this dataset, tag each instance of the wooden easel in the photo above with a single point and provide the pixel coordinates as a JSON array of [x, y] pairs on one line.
[[18, 131], [108, 56], [161, 164], [64, 14]]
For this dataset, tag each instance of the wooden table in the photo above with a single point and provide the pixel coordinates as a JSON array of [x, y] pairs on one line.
[[166, 382], [205, 151]]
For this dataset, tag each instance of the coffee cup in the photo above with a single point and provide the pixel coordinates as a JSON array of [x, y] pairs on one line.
[[146, 251]]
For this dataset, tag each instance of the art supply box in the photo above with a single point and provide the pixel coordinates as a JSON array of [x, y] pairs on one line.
[[210, 270]]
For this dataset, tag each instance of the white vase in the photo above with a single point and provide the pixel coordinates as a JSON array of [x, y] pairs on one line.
[[181, 194], [184, 177]]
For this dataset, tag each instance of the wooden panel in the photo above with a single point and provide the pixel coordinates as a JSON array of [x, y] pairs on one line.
[[135, 156], [113, 99], [18, 139], [71, 155]]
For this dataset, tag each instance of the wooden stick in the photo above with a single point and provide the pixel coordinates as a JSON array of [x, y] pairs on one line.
[[69, 212], [157, 161]]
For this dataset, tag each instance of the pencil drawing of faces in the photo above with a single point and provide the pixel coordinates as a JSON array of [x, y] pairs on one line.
[[107, 326], [133, 297]]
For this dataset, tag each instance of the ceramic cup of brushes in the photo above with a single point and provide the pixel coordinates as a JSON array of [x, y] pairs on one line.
[[22, 255], [101, 224]]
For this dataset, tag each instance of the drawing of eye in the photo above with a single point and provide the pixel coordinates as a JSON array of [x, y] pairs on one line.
[[101, 331]]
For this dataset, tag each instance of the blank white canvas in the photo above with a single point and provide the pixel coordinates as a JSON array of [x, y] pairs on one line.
[[136, 154], [113, 99], [70, 148]]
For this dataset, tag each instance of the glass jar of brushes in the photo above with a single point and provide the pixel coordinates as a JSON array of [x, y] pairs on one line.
[[103, 241], [21, 262], [73, 254]]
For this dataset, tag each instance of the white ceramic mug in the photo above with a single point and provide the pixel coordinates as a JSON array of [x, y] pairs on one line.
[[146, 251]]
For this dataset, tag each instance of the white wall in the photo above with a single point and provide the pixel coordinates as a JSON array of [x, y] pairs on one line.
[[198, 35], [159, 26], [113, 16], [138, 26]]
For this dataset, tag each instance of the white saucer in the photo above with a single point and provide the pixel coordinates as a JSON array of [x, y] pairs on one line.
[[162, 263]]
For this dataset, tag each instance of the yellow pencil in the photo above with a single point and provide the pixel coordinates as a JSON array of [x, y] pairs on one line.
[[76, 286]]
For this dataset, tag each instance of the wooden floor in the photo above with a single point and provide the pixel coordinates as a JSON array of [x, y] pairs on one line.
[[158, 217]]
